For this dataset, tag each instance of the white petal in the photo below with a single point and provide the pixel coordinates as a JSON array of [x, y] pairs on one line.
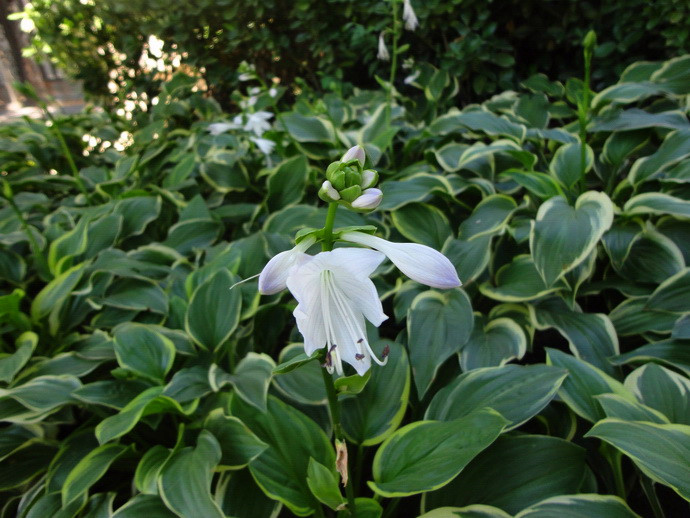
[[312, 327], [220, 127], [362, 295], [369, 199], [352, 262], [273, 278], [419, 262], [355, 152]]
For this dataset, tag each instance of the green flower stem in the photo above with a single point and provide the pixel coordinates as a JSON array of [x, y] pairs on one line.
[[394, 63], [67, 153], [334, 407], [333, 404], [583, 115], [327, 244]]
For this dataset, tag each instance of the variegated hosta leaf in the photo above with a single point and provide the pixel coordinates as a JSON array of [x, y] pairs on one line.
[[562, 236], [661, 451], [493, 343]]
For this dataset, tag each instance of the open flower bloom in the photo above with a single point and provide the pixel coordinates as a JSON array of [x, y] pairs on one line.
[[419, 262], [335, 295]]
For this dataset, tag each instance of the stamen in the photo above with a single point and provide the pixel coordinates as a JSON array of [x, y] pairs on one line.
[[359, 356]]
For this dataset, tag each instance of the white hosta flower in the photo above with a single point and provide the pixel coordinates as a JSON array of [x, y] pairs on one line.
[[419, 262], [409, 16], [265, 146], [221, 127], [369, 199], [335, 295], [273, 277], [383, 54], [258, 122]]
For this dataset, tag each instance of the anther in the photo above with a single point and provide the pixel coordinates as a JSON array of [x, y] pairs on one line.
[[386, 352], [359, 356]]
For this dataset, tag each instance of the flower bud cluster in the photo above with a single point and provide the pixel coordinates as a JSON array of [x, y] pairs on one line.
[[348, 183]]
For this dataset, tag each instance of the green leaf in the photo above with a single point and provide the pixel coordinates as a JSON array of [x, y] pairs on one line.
[[32, 458], [635, 118], [415, 188], [376, 412], [562, 237], [673, 353], [579, 505], [308, 129], [137, 212], [426, 455], [515, 472], [566, 163], [653, 258], [182, 170], [438, 326], [540, 184], [43, 394], [423, 223], [144, 505], [661, 451], [195, 234], [102, 234], [286, 183], [304, 384], [11, 364], [51, 505], [295, 362], [496, 343], [627, 410], [482, 121], [673, 294], [251, 378], [89, 470], [292, 438], [675, 147], [323, 483], [239, 495], [238, 444], [657, 203], [214, 310], [471, 511], [351, 384], [69, 244], [52, 297], [663, 390], [148, 402], [591, 336], [583, 383], [632, 317], [517, 281], [185, 479], [138, 295], [517, 392], [470, 258], [148, 469], [490, 217], [144, 351]]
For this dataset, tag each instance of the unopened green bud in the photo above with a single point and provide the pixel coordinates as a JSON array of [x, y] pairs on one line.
[[590, 40], [351, 193], [369, 179], [352, 177], [327, 193], [332, 168]]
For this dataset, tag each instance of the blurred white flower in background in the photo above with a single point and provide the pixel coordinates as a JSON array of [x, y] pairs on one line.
[[409, 16], [383, 53]]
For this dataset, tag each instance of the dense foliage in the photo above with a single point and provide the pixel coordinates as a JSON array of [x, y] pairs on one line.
[[328, 45], [136, 382]]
